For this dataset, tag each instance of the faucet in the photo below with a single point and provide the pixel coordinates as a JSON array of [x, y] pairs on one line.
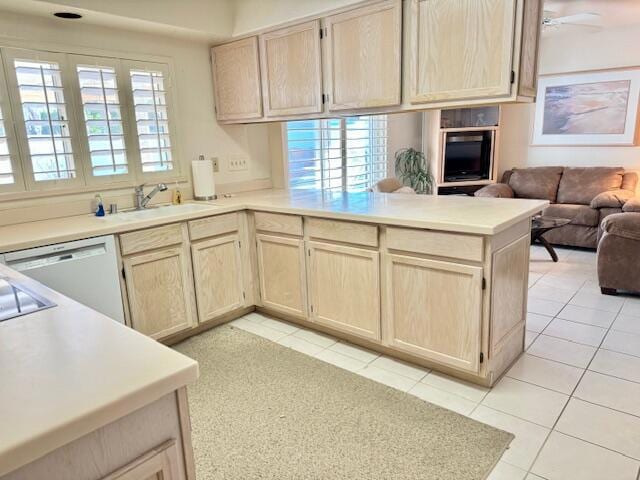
[[142, 200]]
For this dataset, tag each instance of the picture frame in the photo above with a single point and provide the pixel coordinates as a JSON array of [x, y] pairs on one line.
[[587, 108]]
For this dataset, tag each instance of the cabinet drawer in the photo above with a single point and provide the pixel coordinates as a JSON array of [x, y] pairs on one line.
[[441, 244], [212, 226], [278, 223], [151, 238], [339, 231]]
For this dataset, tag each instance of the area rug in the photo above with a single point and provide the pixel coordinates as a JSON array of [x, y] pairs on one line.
[[262, 411]]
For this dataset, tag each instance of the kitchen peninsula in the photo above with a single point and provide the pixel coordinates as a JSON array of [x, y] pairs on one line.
[[439, 281]]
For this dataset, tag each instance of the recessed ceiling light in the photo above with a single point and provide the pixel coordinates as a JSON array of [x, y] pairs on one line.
[[67, 15]]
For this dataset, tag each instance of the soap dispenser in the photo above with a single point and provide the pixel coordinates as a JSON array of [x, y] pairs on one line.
[[100, 209]]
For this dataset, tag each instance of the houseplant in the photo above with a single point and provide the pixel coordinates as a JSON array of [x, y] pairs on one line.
[[412, 169]]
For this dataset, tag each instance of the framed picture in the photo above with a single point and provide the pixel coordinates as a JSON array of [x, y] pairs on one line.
[[587, 108]]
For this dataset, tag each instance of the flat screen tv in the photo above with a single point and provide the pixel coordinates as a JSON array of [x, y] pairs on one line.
[[467, 156]]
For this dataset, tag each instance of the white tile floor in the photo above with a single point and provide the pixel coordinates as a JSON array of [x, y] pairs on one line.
[[572, 400]]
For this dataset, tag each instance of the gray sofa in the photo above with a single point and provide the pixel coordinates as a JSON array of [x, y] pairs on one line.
[[585, 195]]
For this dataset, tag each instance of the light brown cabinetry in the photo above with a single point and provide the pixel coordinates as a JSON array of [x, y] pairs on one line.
[[236, 78], [344, 288], [434, 310], [364, 56], [461, 49], [217, 272], [159, 280], [160, 463], [281, 268], [291, 67]]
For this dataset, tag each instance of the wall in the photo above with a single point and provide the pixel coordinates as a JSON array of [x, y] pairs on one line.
[[561, 53], [198, 130], [252, 15]]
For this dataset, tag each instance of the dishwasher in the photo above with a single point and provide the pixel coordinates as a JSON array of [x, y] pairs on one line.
[[83, 270]]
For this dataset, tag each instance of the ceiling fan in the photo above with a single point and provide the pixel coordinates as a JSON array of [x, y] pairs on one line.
[[585, 19]]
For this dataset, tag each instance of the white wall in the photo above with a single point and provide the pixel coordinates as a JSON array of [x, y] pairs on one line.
[[195, 122], [252, 15], [562, 53]]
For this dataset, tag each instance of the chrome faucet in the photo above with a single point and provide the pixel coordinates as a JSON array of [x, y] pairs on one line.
[[142, 200]]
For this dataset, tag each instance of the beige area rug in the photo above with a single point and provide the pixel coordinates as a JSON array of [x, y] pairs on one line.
[[263, 411]]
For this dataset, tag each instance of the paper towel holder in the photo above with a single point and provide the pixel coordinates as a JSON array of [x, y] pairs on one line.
[[204, 199]]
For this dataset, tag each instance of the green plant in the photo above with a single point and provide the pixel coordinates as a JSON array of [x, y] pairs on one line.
[[412, 169]]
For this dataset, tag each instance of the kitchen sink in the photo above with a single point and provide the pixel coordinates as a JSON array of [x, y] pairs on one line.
[[159, 212], [17, 300]]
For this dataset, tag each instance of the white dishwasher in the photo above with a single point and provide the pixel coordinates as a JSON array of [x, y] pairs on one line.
[[84, 270]]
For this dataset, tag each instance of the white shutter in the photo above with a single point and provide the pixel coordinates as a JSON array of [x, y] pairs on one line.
[[39, 89], [10, 171], [336, 154]]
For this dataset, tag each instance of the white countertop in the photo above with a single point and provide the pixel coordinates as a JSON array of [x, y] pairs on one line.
[[68, 370], [483, 216]]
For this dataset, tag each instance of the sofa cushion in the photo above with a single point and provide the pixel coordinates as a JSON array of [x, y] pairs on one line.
[[626, 225], [537, 182], [578, 214], [632, 205], [630, 181], [611, 199], [582, 184]]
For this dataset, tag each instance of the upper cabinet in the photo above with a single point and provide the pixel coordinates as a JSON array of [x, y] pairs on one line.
[[385, 56], [236, 79], [465, 50], [364, 57], [291, 60]]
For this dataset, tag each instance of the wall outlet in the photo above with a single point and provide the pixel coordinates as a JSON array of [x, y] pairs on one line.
[[238, 163], [216, 165]]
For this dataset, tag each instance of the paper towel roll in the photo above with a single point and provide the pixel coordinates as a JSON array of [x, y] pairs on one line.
[[204, 187]]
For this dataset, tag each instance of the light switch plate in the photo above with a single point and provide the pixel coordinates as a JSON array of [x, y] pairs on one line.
[[216, 165], [238, 163]]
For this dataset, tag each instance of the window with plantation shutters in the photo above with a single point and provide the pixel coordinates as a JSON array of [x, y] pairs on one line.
[[340, 154], [101, 109], [46, 119], [6, 168], [152, 120]]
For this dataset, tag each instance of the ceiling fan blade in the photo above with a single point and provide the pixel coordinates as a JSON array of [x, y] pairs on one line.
[[578, 18]]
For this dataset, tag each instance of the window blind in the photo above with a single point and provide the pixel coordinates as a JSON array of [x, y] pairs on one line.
[[150, 104], [6, 169], [46, 121], [103, 120], [341, 154]]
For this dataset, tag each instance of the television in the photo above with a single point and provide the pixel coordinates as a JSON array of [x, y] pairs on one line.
[[468, 155]]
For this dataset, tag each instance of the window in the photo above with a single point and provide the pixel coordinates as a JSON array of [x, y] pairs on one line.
[[150, 103], [45, 119], [103, 119], [348, 154], [83, 120]]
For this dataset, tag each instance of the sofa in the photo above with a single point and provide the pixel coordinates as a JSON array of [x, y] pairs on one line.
[[584, 195], [619, 251]]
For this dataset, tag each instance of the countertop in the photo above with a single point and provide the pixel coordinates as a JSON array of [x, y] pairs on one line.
[[69, 370], [482, 216]]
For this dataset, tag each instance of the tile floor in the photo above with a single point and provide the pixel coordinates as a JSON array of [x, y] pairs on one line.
[[572, 400]]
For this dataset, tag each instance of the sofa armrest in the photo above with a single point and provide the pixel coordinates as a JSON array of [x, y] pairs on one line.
[[632, 205], [625, 225], [495, 190], [612, 199]]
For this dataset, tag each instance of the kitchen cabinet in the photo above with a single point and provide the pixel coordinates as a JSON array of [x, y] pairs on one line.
[[434, 310], [364, 56], [281, 268], [291, 67], [344, 288], [236, 78], [469, 49], [160, 463], [159, 280], [217, 273]]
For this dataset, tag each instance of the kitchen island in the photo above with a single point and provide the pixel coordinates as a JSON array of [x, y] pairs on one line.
[[438, 281], [84, 397]]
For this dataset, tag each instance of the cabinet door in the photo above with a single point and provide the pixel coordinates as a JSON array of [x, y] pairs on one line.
[[461, 49], [434, 310], [236, 80], [344, 288], [217, 272], [282, 274], [159, 287], [363, 56], [290, 60], [159, 464]]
